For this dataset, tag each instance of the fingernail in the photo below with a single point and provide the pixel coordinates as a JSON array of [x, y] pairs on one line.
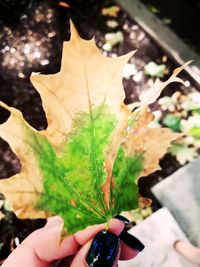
[[122, 218], [131, 241], [103, 250], [127, 223]]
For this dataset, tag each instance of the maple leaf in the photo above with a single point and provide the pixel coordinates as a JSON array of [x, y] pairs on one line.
[[150, 95], [86, 164]]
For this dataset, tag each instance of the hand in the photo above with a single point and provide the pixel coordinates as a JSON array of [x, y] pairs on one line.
[[43, 248], [188, 250]]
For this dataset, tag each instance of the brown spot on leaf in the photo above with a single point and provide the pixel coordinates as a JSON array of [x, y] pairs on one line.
[[73, 202]]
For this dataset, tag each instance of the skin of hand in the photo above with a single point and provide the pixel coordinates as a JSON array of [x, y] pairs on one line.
[[188, 250], [44, 248]]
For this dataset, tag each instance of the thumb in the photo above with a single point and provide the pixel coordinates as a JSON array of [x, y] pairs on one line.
[[43, 246], [103, 250], [46, 242]]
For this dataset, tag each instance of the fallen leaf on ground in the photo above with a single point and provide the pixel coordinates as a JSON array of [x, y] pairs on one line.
[[173, 122], [167, 103], [183, 152], [64, 4], [191, 126], [110, 11], [112, 23], [112, 39], [129, 70], [154, 70]]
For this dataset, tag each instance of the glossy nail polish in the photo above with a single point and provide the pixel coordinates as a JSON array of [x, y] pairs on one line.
[[103, 250], [127, 223], [131, 241]]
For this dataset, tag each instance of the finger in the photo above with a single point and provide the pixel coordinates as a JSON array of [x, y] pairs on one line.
[[46, 242], [103, 250], [81, 237], [115, 226], [85, 237], [42, 246], [127, 252], [22, 256], [131, 245], [115, 263], [66, 262], [80, 258], [189, 251]]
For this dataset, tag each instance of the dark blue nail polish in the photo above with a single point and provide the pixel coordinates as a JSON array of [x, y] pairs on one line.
[[103, 250], [127, 223], [131, 241], [122, 218]]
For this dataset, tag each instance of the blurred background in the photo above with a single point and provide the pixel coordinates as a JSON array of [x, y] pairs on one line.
[[31, 37]]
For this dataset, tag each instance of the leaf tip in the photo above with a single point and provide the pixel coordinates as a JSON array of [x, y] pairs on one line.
[[74, 33], [128, 55], [3, 105], [179, 69]]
